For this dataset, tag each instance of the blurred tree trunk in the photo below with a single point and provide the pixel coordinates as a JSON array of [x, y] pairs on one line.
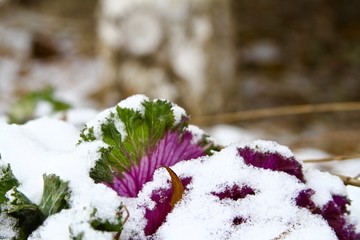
[[181, 50]]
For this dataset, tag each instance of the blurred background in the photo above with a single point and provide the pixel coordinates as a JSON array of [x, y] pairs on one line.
[[209, 56]]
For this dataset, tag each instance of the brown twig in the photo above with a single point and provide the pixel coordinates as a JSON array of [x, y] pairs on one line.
[[286, 232], [117, 236], [353, 181], [275, 112], [334, 158], [348, 180]]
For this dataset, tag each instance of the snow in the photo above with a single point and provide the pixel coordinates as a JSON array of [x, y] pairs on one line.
[[7, 225], [201, 215], [197, 133], [228, 134], [269, 146], [310, 153], [325, 185], [79, 116], [349, 167], [178, 112], [354, 195], [134, 102], [95, 123], [47, 145]]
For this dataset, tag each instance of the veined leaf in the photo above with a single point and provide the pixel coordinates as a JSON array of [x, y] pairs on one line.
[[55, 195], [29, 215], [7, 182], [139, 140]]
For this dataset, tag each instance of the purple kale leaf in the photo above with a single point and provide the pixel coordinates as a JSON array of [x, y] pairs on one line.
[[235, 192], [154, 136], [273, 161], [162, 198]]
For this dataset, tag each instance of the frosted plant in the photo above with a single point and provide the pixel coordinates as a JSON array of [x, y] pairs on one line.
[[16, 207], [142, 135], [173, 181], [256, 190], [225, 196]]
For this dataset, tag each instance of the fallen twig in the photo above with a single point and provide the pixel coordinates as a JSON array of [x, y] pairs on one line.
[[124, 208], [354, 181], [334, 158], [274, 112], [348, 180]]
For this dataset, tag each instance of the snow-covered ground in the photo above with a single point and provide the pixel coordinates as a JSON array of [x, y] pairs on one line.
[[49, 146]]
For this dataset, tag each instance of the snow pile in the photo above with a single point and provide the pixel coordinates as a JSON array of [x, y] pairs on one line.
[[229, 199], [48, 146], [247, 190]]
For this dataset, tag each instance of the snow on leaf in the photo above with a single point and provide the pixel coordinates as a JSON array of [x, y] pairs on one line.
[[335, 214], [106, 225], [273, 161], [163, 199], [149, 137], [8, 228], [28, 214], [231, 199], [235, 192], [169, 150], [7, 182]]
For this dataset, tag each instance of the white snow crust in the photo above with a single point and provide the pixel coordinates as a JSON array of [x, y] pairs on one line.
[[269, 213], [49, 146], [7, 224]]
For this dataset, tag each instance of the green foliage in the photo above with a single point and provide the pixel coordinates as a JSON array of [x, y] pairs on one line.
[[55, 195], [87, 135], [142, 132], [107, 226], [7, 182], [76, 237], [23, 110], [102, 170], [28, 214], [100, 225]]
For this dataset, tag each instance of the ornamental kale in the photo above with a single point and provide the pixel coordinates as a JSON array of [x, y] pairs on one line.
[[235, 191], [28, 215], [273, 161], [157, 177], [334, 211], [141, 139]]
